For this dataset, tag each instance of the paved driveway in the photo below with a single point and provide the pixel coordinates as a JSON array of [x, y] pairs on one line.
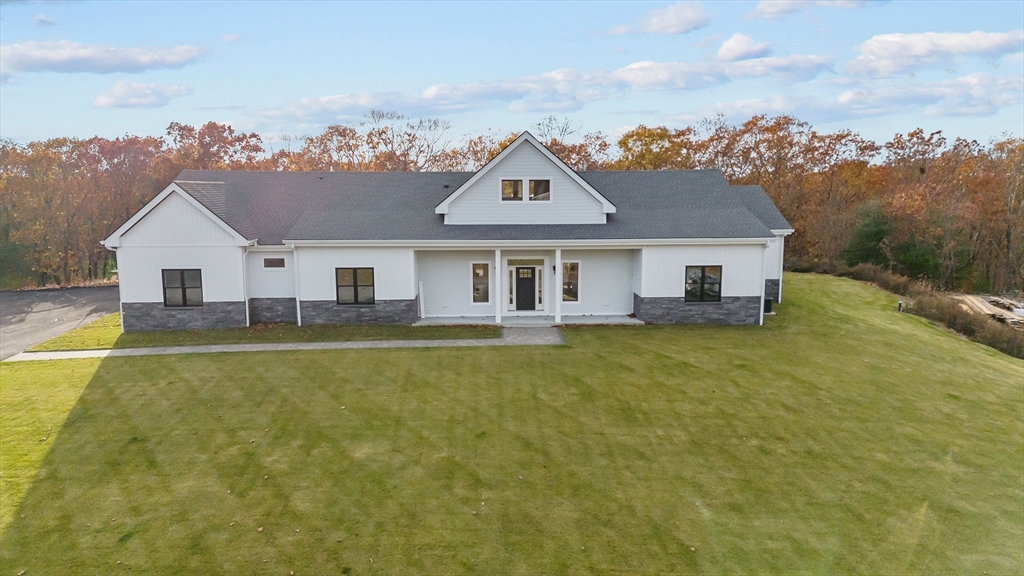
[[28, 318]]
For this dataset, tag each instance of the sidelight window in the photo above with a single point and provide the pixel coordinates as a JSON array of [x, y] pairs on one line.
[[481, 283]]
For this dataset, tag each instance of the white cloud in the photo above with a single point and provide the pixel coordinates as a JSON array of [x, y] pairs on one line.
[[231, 38], [68, 56], [771, 9], [44, 20], [676, 19], [558, 90], [741, 47], [125, 94], [890, 54], [973, 95]]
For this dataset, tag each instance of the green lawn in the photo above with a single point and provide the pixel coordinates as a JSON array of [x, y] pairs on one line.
[[106, 333], [841, 437]]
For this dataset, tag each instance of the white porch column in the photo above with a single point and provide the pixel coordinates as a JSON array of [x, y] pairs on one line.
[[558, 286], [499, 295]]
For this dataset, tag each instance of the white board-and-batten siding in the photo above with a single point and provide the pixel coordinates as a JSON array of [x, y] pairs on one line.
[[481, 203], [447, 277], [663, 268], [176, 235], [271, 282], [393, 271], [773, 258]]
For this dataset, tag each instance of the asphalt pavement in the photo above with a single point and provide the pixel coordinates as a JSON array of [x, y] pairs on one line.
[[30, 317]]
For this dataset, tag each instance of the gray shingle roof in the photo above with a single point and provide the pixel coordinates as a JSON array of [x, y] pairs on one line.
[[277, 206]]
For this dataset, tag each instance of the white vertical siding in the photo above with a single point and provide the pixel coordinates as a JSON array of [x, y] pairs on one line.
[[176, 235], [140, 278], [271, 282], [447, 282], [773, 258], [606, 282], [176, 222], [393, 271], [742, 268], [481, 203]]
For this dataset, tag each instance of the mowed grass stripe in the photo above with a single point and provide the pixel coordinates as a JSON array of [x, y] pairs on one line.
[[840, 437]]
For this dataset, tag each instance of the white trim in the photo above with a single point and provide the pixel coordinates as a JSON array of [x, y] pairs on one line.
[[489, 265], [535, 244], [114, 240], [606, 206], [782, 231]]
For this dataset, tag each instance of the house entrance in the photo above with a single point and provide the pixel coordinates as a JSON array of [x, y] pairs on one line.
[[526, 285]]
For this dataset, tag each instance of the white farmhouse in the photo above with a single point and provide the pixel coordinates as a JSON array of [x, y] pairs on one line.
[[525, 236]]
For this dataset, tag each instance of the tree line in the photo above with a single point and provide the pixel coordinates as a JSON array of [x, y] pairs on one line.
[[950, 213]]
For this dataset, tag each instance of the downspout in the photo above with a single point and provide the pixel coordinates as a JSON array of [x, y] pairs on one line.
[[760, 304], [295, 267], [245, 282]]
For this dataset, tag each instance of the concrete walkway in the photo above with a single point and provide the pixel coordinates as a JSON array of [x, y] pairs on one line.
[[543, 336]]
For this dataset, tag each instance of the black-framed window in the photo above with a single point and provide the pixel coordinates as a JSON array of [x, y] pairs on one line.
[[183, 287], [540, 190], [570, 281], [703, 283], [273, 262], [355, 285], [511, 190]]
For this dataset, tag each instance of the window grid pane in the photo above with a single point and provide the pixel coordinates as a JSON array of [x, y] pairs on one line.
[[540, 190], [511, 189], [193, 296], [172, 278], [193, 279]]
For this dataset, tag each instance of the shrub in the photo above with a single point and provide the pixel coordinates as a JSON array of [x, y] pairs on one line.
[[977, 327], [932, 305]]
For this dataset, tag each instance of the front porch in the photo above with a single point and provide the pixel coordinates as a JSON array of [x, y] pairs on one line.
[[523, 321]]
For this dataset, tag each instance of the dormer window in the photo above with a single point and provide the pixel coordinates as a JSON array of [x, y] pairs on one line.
[[540, 190], [511, 190]]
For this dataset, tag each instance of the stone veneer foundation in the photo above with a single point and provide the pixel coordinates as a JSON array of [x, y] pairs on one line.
[[731, 310], [771, 289], [151, 316], [271, 310], [382, 312]]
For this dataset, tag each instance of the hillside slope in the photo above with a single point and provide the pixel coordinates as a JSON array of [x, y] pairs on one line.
[[840, 437]]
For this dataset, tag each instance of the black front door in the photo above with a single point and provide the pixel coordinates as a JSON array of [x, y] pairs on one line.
[[526, 288]]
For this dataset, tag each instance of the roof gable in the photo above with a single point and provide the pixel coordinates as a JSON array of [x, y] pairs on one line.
[[525, 139], [186, 204]]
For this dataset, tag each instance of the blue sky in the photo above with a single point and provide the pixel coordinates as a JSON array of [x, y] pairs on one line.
[[110, 68]]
